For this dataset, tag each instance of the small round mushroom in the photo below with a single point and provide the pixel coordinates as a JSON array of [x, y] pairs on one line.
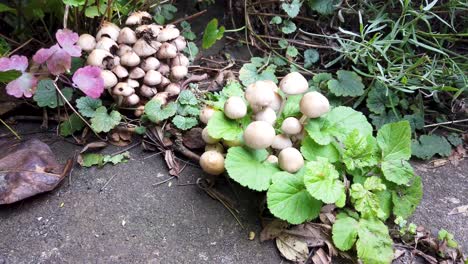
[[152, 30], [150, 63], [164, 82], [110, 80], [123, 89], [161, 97], [207, 138], [87, 42], [294, 83], [291, 126], [178, 72], [290, 160], [139, 111], [133, 99], [138, 18], [180, 60], [133, 83], [164, 69], [235, 108], [173, 89], [148, 91], [267, 114], [126, 36], [277, 101], [314, 104], [212, 162], [130, 59], [259, 94], [115, 61], [98, 57], [137, 73], [281, 141], [152, 78], [216, 147], [259, 135], [123, 48], [272, 159], [143, 49], [206, 113], [167, 51], [180, 43], [108, 29], [120, 71], [170, 32]]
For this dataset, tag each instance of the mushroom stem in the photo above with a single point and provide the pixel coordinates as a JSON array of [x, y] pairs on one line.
[[303, 119], [120, 99], [283, 103]]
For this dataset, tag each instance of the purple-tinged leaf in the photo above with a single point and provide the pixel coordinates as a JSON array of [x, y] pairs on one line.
[[67, 40], [25, 85], [88, 79]]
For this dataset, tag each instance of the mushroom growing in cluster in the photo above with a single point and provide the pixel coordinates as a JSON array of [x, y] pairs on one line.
[[139, 60]]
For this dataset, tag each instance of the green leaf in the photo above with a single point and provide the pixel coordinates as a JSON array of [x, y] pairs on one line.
[[72, 125], [116, 159], [220, 126], [87, 106], [140, 130], [186, 97], [249, 167], [232, 88], [345, 231], [8, 76], [365, 200], [187, 31], [429, 145], [385, 118], [104, 122], [339, 122], [397, 171], [156, 113], [184, 123], [322, 77], [92, 159], [406, 198], [348, 84], [311, 56], [4, 49], [212, 33], [292, 106], [165, 12], [395, 141], [324, 7], [291, 51], [288, 199], [94, 11], [380, 97], [47, 96], [76, 63], [385, 202], [188, 110], [311, 150], [359, 151], [292, 9], [322, 181], [74, 2], [455, 139], [374, 245], [191, 50], [249, 74], [288, 27], [276, 20], [5, 8], [416, 121]]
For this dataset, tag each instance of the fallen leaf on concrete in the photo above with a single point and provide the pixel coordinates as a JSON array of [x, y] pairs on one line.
[[320, 257], [94, 145], [439, 163], [28, 168], [293, 248], [457, 155], [273, 229], [460, 210], [120, 137]]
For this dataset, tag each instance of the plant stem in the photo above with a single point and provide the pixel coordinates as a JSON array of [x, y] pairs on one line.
[[11, 129]]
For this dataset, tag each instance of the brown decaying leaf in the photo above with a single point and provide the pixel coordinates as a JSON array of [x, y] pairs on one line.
[[192, 139], [273, 229], [292, 247], [457, 155], [120, 137], [28, 168]]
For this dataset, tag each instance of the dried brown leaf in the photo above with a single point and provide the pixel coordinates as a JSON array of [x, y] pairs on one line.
[[273, 229], [292, 248]]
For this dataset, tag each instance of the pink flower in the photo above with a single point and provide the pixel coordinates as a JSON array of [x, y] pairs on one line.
[[25, 85], [88, 79], [58, 57]]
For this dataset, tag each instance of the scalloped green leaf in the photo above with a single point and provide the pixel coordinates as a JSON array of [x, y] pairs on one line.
[[347, 84], [322, 181]]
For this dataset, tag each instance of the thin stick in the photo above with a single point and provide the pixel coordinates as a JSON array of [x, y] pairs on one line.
[[103, 187], [189, 17], [11, 129], [298, 42], [20, 47], [65, 16], [162, 182], [447, 123]]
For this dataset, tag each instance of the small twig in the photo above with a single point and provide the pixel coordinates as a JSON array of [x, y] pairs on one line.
[[189, 17], [162, 182], [302, 43], [447, 123], [65, 16], [103, 187], [126, 149], [20, 47]]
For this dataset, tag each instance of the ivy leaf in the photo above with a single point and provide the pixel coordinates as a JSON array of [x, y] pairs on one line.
[[322, 181], [345, 231], [365, 200], [397, 171], [191, 50], [385, 118], [374, 245], [165, 12], [220, 126], [291, 51], [311, 150], [104, 122], [276, 20], [187, 97], [348, 84], [429, 145], [288, 27], [380, 97], [212, 33], [249, 74], [324, 7], [249, 167], [288, 199], [47, 96], [156, 113], [339, 122], [292, 9], [311, 56], [395, 141], [359, 151], [72, 125], [406, 198], [184, 123], [87, 106]]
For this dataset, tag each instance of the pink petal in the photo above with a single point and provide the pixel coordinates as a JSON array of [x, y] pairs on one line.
[[88, 79], [59, 62], [67, 40], [15, 62], [43, 55], [25, 86]]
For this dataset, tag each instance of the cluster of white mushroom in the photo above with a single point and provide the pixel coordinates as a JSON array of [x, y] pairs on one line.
[[266, 104], [139, 60]]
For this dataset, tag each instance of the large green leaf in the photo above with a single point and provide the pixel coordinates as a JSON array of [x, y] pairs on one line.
[[47, 96], [394, 140], [429, 145], [220, 126], [212, 33], [157, 113], [345, 231], [72, 125], [359, 151], [288, 199], [374, 245], [87, 106], [347, 84], [322, 181], [184, 123], [406, 198], [380, 97], [104, 122], [249, 168], [311, 150], [249, 73], [364, 198], [324, 7], [397, 171]]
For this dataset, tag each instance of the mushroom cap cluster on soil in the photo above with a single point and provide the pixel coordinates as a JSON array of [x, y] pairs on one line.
[[264, 102], [140, 60]]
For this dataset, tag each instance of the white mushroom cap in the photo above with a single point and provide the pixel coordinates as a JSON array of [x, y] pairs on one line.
[[235, 108], [180, 60], [143, 49], [212, 162], [152, 29], [291, 126], [126, 36], [207, 138], [167, 51], [277, 101], [178, 72], [123, 89], [259, 94], [314, 104], [267, 114], [206, 113], [259, 135], [152, 78], [290, 160], [164, 68], [137, 73], [133, 83], [108, 44], [150, 63], [180, 43], [173, 89], [133, 99], [281, 141], [123, 48], [148, 91], [216, 147], [87, 42], [272, 159], [170, 32], [97, 57], [110, 80], [120, 71], [164, 82], [130, 59], [294, 83], [138, 17], [108, 29]]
